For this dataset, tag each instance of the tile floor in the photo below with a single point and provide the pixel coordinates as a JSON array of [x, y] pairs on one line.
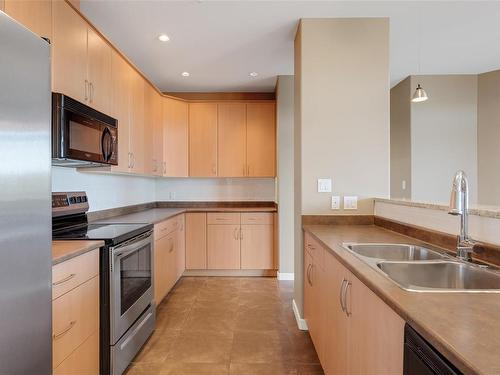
[[218, 325]]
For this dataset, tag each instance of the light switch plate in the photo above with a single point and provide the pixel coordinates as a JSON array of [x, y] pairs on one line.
[[324, 185], [350, 203], [335, 202]]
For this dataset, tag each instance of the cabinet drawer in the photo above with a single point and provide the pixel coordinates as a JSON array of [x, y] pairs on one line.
[[166, 227], [223, 218], [256, 218], [74, 319], [314, 249], [83, 361], [71, 273]]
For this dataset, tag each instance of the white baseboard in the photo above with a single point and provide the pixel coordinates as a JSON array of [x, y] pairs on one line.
[[285, 276], [301, 323]]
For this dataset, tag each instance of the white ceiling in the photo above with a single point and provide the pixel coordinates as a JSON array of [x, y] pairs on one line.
[[221, 42]]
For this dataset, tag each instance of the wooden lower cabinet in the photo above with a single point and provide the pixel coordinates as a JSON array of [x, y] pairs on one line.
[[353, 332], [257, 247], [83, 361], [75, 315], [223, 247], [196, 241], [169, 255]]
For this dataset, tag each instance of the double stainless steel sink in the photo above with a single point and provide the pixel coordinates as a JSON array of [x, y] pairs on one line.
[[419, 269]]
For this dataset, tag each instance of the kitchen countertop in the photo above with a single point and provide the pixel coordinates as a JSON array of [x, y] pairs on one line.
[[65, 250], [464, 327], [156, 215]]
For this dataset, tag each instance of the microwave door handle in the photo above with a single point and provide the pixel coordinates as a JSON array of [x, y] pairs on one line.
[[105, 140]]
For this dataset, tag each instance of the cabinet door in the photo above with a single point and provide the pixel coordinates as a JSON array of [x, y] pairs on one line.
[[196, 241], [231, 140], [151, 165], [36, 15], [257, 247], [376, 333], [202, 139], [261, 140], [175, 137], [121, 74], [223, 247], [336, 322], [309, 307], [160, 269], [99, 72], [69, 52], [181, 247], [158, 166], [137, 124], [83, 361]]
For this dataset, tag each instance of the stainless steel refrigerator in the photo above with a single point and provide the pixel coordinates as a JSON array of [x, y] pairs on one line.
[[25, 204]]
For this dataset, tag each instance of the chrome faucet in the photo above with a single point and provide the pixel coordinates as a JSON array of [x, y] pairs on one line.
[[459, 205]]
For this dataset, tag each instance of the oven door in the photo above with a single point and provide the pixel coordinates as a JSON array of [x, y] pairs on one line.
[[89, 139], [131, 283]]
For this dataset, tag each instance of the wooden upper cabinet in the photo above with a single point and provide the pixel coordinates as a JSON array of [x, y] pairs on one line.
[[121, 76], [99, 72], [175, 137], [231, 139], [261, 140], [36, 15], [69, 52], [158, 162], [151, 164], [137, 132], [202, 139]]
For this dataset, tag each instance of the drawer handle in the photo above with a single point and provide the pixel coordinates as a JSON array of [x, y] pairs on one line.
[[220, 218], [66, 279], [55, 336]]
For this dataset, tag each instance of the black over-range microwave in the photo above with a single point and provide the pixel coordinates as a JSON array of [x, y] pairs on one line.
[[82, 136]]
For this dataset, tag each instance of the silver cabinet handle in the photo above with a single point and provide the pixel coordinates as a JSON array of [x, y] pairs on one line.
[[307, 274], [129, 160], [164, 167], [66, 279], [235, 233], [86, 90], [248, 170], [341, 293], [55, 336], [132, 160], [347, 312], [91, 91]]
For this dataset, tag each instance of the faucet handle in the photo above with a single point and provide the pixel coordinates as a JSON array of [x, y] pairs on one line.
[[465, 248]]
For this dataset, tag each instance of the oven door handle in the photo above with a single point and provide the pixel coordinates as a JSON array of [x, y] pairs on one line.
[[130, 248]]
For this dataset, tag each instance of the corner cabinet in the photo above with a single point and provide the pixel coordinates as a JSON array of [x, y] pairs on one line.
[[175, 137], [202, 139], [353, 330]]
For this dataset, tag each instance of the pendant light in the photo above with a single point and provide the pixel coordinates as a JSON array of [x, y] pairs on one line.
[[419, 95]]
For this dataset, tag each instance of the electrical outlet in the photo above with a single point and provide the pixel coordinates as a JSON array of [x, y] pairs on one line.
[[350, 203], [324, 185], [403, 184], [171, 195], [335, 202]]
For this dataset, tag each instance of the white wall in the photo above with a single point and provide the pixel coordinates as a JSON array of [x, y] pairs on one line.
[[284, 103], [105, 190], [488, 123], [344, 122], [443, 136], [216, 189], [480, 228]]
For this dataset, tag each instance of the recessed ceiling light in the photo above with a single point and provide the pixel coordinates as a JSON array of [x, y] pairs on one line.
[[253, 74], [185, 74], [163, 38]]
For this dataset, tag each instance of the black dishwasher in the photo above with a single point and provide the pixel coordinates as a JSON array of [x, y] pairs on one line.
[[420, 358]]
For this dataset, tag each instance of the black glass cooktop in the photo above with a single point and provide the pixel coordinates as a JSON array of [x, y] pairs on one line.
[[110, 233]]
